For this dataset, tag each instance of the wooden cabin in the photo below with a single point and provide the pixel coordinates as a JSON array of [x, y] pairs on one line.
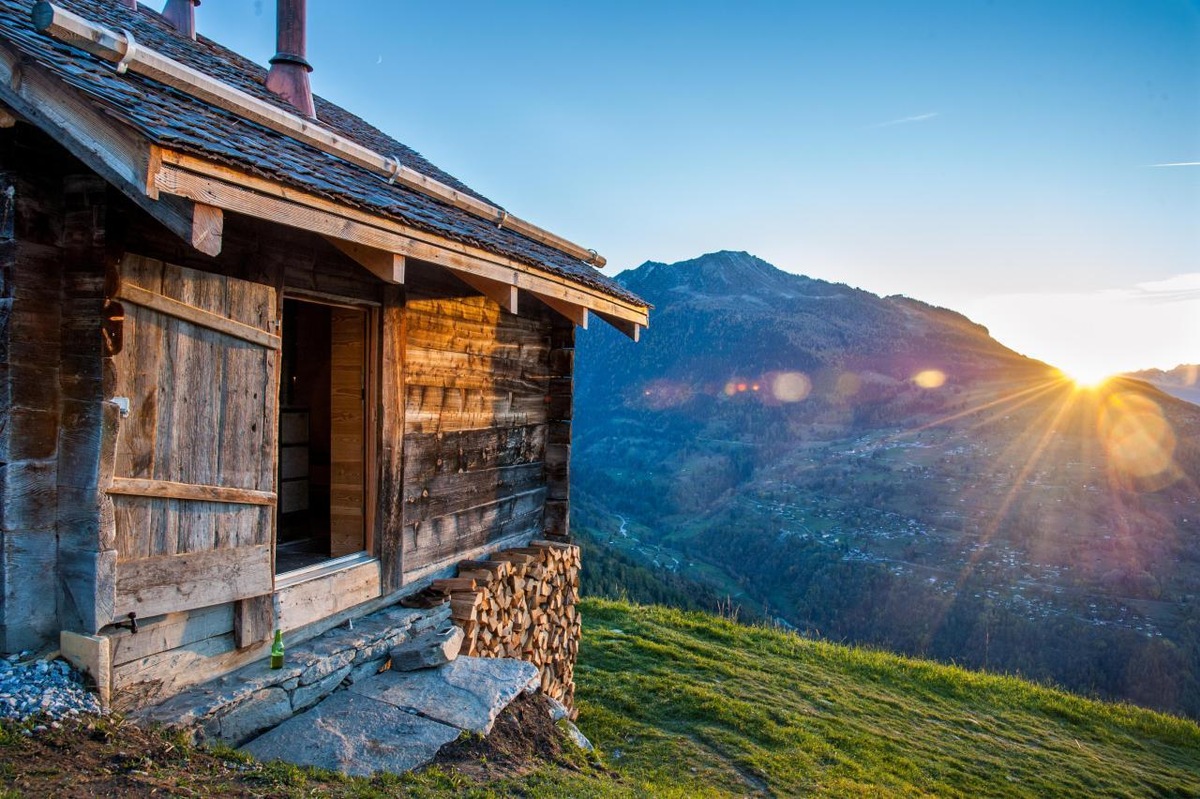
[[264, 366]]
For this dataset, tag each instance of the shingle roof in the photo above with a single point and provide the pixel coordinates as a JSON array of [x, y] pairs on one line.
[[171, 118]]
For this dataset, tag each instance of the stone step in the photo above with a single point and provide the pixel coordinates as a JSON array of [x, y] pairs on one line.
[[240, 705], [397, 721]]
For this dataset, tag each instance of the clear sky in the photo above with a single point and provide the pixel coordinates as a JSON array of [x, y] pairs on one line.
[[1002, 158]]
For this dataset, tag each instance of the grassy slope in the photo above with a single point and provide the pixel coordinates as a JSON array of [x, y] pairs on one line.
[[689, 705], [713, 708]]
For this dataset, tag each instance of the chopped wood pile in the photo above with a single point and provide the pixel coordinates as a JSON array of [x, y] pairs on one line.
[[520, 603]]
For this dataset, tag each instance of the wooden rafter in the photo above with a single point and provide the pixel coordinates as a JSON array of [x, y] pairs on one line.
[[208, 226], [631, 329], [575, 313], [113, 151], [387, 266], [504, 294]]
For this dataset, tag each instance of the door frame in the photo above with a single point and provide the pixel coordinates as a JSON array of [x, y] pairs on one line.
[[372, 310]]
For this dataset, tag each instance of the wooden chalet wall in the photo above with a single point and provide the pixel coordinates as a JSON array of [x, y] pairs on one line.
[[53, 241], [469, 412], [476, 423]]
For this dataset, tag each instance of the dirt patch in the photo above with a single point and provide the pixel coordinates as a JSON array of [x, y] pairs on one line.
[[106, 757], [523, 738]]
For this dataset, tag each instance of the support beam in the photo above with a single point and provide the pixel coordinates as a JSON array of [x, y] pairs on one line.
[[576, 313], [504, 294], [387, 266], [631, 329], [208, 225]]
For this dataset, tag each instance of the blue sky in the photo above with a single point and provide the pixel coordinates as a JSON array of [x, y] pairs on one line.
[[994, 157]]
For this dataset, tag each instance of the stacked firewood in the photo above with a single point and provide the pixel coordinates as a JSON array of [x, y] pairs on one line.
[[520, 603]]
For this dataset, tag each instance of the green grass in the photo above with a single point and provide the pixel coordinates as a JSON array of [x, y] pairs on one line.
[[688, 704]]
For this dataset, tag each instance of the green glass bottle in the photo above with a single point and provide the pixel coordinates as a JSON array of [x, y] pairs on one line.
[[277, 651]]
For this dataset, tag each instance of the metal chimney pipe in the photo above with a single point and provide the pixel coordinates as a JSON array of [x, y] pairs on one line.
[[288, 76], [132, 4], [181, 14]]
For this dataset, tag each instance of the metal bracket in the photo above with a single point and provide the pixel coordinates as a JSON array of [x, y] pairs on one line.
[[130, 625]]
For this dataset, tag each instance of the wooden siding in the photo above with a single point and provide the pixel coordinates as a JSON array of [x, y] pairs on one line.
[[477, 379]]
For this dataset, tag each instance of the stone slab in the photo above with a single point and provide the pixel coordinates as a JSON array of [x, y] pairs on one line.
[[428, 649], [264, 709], [467, 693], [355, 735]]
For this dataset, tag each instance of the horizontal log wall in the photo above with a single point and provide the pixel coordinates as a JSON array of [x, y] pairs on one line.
[[476, 384]]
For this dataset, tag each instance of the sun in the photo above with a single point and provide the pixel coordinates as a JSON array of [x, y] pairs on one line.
[[1087, 376]]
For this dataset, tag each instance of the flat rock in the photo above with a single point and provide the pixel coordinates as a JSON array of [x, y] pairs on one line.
[[427, 649], [467, 693], [355, 735]]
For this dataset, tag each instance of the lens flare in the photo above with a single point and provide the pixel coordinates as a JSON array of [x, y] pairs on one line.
[[790, 386], [848, 384], [1088, 376], [930, 378], [1139, 440]]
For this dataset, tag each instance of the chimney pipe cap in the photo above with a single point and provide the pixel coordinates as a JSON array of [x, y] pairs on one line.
[[291, 58]]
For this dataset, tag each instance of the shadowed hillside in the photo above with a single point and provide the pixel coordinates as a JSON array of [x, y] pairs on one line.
[[880, 470]]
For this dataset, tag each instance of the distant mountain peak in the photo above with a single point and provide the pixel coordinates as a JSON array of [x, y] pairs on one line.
[[722, 273]]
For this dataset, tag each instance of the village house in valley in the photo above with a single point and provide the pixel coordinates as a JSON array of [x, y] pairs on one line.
[[264, 367]]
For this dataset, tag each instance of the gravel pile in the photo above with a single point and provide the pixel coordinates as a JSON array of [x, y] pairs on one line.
[[51, 688]]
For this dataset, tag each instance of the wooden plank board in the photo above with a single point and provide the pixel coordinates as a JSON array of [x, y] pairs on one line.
[[169, 631], [197, 316], [453, 493], [347, 441], [204, 493], [437, 539], [169, 583], [309, 601]]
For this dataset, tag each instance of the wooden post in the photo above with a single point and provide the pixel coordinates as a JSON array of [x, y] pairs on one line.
[[88, 425], [556, 522], [389, 515]]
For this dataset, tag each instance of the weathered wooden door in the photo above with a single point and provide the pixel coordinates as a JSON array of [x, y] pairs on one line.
[[193, 486]]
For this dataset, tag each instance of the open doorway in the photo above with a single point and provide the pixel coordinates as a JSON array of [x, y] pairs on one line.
[[322, 434]]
